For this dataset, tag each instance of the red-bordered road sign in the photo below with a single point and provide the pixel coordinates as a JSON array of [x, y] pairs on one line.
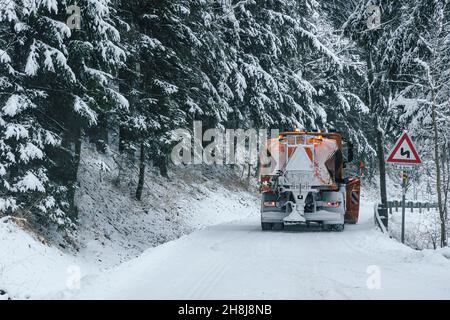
[[404, 151]]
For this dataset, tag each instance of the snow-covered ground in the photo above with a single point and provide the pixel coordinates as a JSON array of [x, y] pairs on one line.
[[238, 261], [114, 227], [224, 254], [32, 268], [422, 229]]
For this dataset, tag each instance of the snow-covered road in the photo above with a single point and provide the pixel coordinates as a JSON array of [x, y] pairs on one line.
[[239, 261]]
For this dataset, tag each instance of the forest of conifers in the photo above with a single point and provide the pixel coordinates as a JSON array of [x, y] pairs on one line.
[[77, 71]]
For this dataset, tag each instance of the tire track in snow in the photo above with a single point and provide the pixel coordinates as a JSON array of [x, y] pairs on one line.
[[215, 274]]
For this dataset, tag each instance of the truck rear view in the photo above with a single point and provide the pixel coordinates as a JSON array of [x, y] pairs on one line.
[[302, 182]]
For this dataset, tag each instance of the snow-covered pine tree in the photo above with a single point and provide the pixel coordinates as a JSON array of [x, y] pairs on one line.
[[212, 62], [235, 64], [258, 47], [26, 135], [348, 110], [95, 56], [373, 42], [283, 52], [339, 89], [155, 79], [62, 83], [419, 48]]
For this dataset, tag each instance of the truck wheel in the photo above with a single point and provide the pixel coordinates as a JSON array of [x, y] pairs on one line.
[[278, 226], [338, 227], [266, 226]]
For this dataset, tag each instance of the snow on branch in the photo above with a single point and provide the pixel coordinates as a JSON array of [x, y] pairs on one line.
[[85, 111]]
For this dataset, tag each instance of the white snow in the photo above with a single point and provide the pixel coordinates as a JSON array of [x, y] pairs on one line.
[[6, 204], [30, 182], [32, 65], [166, 86], [48, 62], [15, 130], [121, 101], [50, 5], [30, 152], [51, 139], [224, 256], [84, 110], [115, 228], [4, 57], [193, 107], [238, 261], [219, 206], [29, 268], [422, 229], [102, 77], [16, 104]]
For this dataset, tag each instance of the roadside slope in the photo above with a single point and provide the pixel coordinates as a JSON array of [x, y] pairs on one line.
[[115, 227]]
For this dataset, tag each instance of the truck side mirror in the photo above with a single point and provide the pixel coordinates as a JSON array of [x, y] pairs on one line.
[[350, 152]]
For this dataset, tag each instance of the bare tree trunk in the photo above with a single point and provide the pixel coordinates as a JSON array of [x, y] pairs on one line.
[[72, 181], [381, 164], [161, 163], [77, 159], [99, 133], [445, 180], [379, 133], [438, 171], [140, 186]]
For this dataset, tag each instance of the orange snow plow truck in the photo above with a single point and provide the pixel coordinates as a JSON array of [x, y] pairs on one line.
[[302, 182]]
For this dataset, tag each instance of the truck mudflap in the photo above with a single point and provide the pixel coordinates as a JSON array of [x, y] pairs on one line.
[[353, 194]]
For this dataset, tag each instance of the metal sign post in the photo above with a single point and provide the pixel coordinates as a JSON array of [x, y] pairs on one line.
[[404, 179]]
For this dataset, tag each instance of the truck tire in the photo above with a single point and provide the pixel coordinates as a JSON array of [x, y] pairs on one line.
[[278, 226], [337, 227], [333, 227], [265, 226]]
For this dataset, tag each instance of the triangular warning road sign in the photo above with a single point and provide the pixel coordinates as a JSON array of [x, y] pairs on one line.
[[404, 151]]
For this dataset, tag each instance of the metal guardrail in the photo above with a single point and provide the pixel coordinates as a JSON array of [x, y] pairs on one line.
[[380, 216], [411, 205], [379, 219]]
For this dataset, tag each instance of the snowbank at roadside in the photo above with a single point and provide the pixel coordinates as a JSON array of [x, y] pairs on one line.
[[422, 229], [29, 267], [114, 227]]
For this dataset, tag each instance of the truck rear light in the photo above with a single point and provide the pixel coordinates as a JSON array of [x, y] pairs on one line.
[[265, 184], [270, 203], [333, 204]]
